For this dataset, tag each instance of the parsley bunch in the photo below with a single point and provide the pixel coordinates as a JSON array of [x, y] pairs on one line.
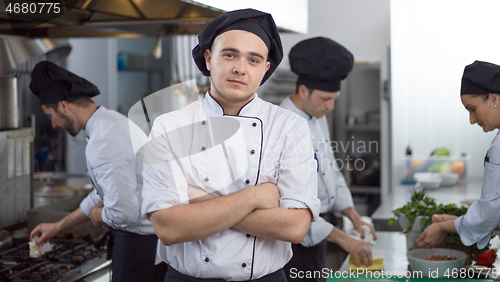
[[421, 205]]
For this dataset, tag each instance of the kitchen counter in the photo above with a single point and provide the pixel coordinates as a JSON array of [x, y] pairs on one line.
[[467, 191], [391, 246]]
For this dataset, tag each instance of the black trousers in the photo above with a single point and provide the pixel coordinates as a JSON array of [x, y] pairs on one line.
[[133, 256], [175, 276], [306, 260]]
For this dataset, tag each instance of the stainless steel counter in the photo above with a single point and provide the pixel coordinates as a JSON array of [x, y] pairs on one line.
[[467, 191]]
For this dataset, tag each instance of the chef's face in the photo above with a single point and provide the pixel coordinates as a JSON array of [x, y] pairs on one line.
[[61, 120], [237, 62], [318, 102], [482, 110]]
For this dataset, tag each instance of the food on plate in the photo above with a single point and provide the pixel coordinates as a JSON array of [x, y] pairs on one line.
[[440, 258]]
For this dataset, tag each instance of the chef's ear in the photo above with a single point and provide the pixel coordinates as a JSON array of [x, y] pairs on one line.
[[64, 105], [208, 56], [494, 97], [303, 91]]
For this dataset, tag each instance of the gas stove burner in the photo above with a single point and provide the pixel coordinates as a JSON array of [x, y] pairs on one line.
[[69, 260]]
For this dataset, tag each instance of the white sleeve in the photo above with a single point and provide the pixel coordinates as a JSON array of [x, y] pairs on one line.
[[159, 180], [114, 168], [89, 201], [298, 182], [343, 198], [483, 215]]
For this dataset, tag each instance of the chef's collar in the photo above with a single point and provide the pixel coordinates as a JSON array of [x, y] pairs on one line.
[[89, 126], [249, 109], [296, 110]]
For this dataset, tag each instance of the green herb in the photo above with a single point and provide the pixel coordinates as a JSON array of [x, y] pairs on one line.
[[421, 205]]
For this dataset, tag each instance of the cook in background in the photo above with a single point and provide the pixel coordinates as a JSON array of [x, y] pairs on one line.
[[480, 94], [112, 169], [321, 64], [239, 179]]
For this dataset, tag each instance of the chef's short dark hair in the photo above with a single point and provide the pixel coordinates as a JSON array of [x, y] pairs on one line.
[[81, 102], [297, 84]]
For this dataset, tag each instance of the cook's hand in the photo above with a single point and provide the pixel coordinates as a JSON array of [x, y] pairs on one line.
[[96, 214], [197, 195], [268, 195], [45, 231], [358, 226], [432, 236], [442, 217], [356, 247]]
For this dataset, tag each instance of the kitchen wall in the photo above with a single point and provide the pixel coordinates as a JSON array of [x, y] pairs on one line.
[[362, 26], [431, 43], [89, 59]]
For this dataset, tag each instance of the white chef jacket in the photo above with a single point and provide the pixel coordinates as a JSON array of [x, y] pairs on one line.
[[332, 189], [207, 149], [483, 215], [114, 172]]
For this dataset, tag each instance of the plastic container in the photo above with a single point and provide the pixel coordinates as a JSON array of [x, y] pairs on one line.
[[435, 164]]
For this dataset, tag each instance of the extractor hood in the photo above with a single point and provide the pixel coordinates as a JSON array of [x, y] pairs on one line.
[[110, 18]]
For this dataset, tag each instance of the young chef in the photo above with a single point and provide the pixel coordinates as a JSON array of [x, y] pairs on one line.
[[111, 166], [321, 64], [480, 94], [252, 161]]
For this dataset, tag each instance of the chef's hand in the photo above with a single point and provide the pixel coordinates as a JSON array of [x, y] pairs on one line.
[[432, 236], [358, 223], [45, 231], [96, 214], [442, 217], [358, 226], [267, 194], [354, 246]]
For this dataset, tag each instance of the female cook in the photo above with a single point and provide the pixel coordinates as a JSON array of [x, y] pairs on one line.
[[480, 94]]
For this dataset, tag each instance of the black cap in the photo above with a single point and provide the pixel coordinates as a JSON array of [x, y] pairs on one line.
[[481, 78], [321, 63], [257, 22], [52, 84]]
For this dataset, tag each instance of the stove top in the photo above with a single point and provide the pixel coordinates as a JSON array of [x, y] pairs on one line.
[[70, 260]]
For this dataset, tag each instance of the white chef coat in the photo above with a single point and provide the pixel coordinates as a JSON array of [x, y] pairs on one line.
[[207, 149], [483, 215], [332, 189], [114, 172]]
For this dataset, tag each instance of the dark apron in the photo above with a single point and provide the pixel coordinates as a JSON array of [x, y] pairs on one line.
[[132, 255], [175, 276], [307, 259]]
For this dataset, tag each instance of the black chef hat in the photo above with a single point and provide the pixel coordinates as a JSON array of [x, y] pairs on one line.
[[256, 22], [321, 63], [481, 78], [52, 84]]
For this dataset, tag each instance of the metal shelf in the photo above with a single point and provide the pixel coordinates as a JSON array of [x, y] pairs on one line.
[[364, 127], [369, 190]]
